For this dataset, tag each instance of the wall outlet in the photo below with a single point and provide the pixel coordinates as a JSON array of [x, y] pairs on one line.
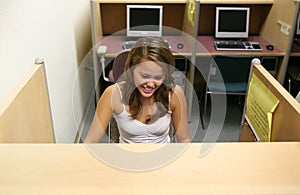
[[284, 28]]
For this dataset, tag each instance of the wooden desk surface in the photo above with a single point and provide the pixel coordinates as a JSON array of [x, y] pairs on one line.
[[115, 44], [228, 168], [205, 46], [207, 42]]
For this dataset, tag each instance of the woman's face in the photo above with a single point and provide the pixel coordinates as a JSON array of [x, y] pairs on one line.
[[148, 77]]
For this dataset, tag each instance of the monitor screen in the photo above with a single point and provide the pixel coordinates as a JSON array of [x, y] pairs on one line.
[[144, 20], [232, 22]]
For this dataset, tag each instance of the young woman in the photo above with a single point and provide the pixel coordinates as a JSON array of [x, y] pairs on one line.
[[146, 101]]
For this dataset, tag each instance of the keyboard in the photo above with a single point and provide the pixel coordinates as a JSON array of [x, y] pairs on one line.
[[237, 45], [129, 44]]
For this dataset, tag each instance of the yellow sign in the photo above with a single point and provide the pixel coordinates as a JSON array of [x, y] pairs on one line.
[[191, 12], [261, 103]]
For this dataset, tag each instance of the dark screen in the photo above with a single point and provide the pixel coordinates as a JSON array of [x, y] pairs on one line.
[[232, 20], [144, 19]]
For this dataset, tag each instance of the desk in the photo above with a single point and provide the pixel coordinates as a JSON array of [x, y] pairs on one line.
[[205, 46], [109, 18], [115, 44], [270, 59], [207, 42], [228, 168]]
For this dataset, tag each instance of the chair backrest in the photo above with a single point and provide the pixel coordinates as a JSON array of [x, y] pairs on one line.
[[118, 66], [232, 70], [117, 70]]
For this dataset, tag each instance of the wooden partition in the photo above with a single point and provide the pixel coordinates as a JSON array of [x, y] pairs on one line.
[[280, 16], [268, 18], [25, 115], [207, 17], [109, 16], [286, 117], [282, 12]]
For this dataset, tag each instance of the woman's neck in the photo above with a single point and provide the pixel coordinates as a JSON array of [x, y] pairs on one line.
[[147, 100]]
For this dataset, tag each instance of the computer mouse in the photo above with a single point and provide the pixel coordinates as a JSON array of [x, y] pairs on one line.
[[270, 47], [179, 45]]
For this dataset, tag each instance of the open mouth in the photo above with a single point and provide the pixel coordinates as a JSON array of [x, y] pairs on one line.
[[148, 89]]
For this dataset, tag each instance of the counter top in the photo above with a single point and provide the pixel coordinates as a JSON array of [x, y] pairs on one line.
[[251, 168]]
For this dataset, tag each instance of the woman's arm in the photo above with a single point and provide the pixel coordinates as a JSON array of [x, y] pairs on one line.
[[180, 115], [101, 118]]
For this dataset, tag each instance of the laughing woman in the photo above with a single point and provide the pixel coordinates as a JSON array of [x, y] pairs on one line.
[[146, 101]]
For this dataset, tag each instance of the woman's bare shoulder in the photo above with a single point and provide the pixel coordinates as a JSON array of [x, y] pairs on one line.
[[177, 91], [109, 90], [114, 91], [177, 96]]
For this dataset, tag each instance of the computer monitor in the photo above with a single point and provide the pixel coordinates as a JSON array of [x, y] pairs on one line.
[[232, 22], [144, 20]]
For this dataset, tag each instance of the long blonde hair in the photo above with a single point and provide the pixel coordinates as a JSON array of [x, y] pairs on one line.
[[153, 49]]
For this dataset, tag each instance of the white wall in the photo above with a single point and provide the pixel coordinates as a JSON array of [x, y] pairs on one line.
[[59, 32]]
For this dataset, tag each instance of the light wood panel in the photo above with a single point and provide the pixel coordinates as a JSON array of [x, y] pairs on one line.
[[25, 115], [110, 15], [281, 11], [258, 14], [228, 168], [110, 18], [286, 118]]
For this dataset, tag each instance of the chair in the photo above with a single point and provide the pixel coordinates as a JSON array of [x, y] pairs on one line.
[[228, 75], [118, 66], [117, 70]]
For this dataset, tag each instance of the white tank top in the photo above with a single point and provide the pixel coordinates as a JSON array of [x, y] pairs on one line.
[[134, 131]]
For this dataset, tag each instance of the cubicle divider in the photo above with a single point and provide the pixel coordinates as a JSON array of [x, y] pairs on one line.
[[184, 25], [25, 115], [190, 31], [271, 113]]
